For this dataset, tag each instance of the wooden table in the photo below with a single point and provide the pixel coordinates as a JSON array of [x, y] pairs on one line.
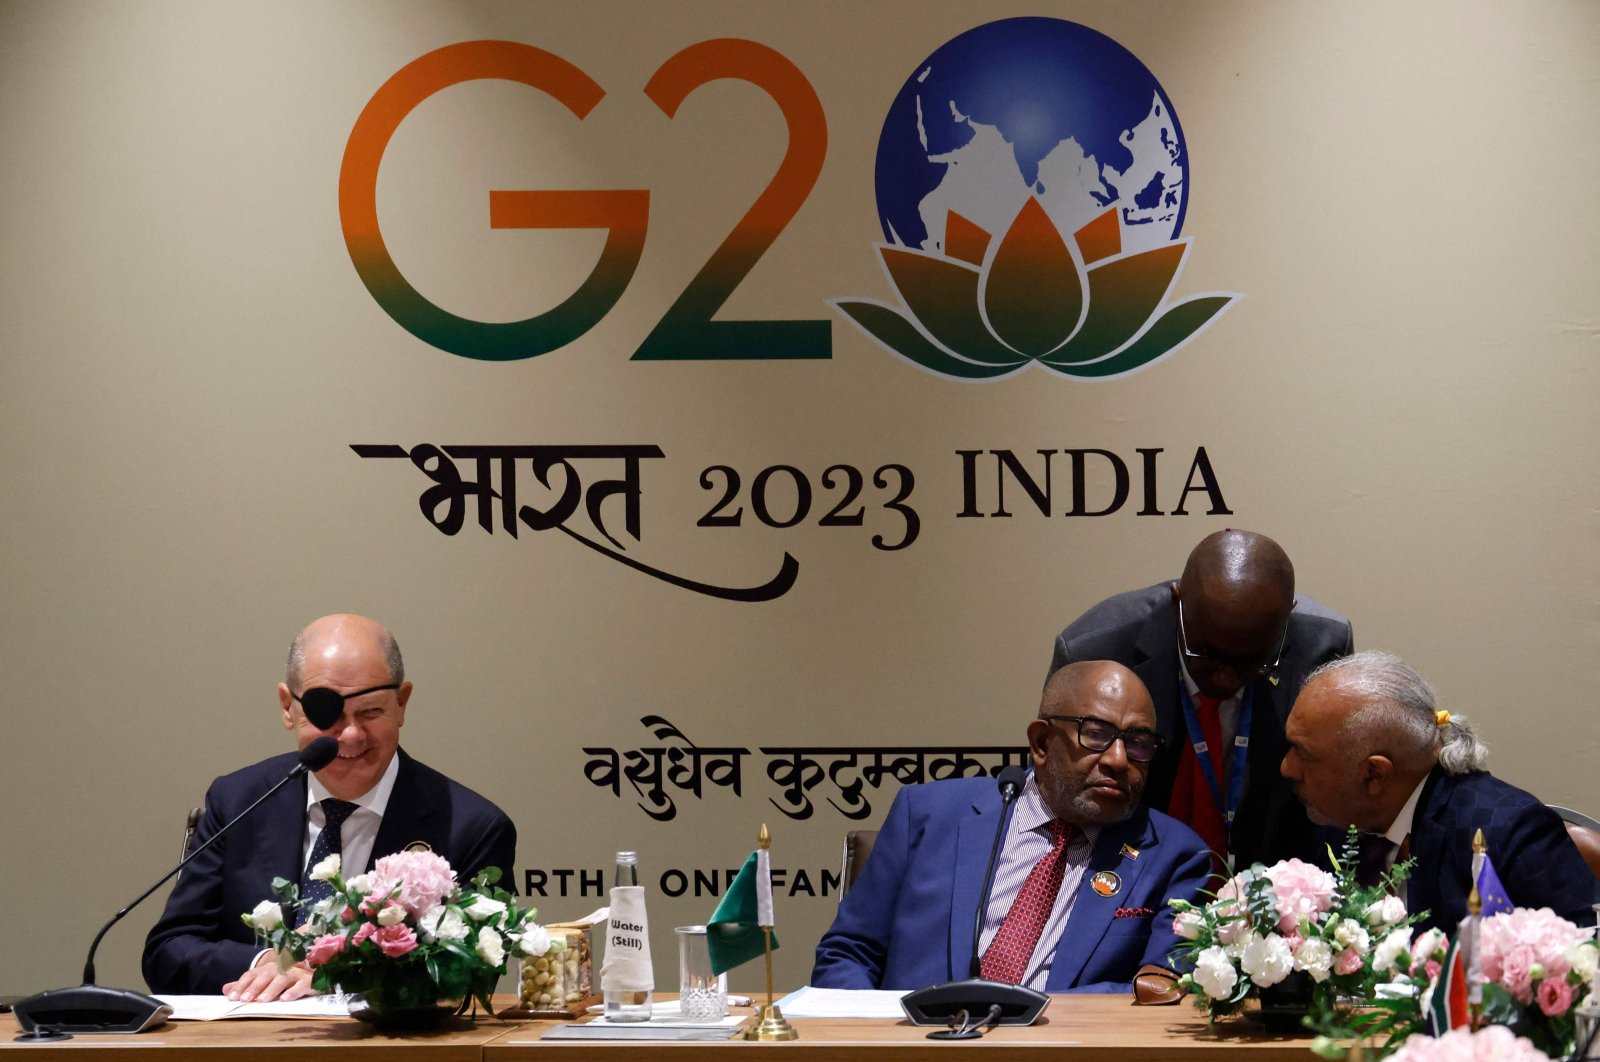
[[1108, 1028]]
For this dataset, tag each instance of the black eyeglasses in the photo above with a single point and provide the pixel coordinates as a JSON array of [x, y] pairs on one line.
[[1248, 667], [324, 706], [1097, 735]]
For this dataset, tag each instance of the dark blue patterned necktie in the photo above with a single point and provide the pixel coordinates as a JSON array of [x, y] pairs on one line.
[[1374, 859], [328, 842]]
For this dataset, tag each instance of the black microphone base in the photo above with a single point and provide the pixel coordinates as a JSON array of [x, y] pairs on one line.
[[937, 1004], [90, 1009]]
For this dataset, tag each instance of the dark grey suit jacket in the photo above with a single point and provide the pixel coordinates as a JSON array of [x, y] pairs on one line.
[[200, 943], [1139, 630]]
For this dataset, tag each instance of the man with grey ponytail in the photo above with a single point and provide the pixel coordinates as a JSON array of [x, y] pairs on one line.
[[1370, 747]]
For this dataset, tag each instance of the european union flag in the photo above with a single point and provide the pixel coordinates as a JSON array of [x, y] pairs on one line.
[[1490, 891]]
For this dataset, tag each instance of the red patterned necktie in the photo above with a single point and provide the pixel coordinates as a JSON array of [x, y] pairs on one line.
[[1013, 944]]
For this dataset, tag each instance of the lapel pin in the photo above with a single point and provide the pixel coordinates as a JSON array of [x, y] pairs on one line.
[[1106, 883], [1130, 852], [419, 846]]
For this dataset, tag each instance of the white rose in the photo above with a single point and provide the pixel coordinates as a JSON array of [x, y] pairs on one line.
[[1351, 935], [491, 949], [1214, 973], [267, 916], [535, 940], [1584, 955], [1386, 912], [1188, 925], [361, 883], [1390, 949], [1315, 957], [482, 907], [391, 916], [1267, 959], [441, 923], [327, 868]]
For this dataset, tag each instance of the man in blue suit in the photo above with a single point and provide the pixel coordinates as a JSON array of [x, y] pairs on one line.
[[1080, 895], [1369, 747], [373, 800]]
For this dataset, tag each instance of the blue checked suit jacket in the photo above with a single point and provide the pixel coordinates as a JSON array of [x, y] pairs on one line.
[[1536, 860], [200, 944], [907, 923]]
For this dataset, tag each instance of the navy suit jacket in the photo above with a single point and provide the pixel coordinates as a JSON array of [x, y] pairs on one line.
[[907, 923], [200, 943], [1139, 630], [1528, 844]]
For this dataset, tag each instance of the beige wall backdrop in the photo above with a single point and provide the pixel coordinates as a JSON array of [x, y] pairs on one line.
[[1405, 397]]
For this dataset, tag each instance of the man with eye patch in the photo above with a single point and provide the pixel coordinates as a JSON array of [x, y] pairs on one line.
[[1223, 651], [345, 679], [1083, 875]]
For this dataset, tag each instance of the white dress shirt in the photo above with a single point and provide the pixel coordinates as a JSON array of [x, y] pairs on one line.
[[360, 830]]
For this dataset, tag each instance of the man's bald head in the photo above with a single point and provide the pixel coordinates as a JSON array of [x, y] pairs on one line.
[[1236, 565], [1078, 686], [1236, 593], [325, 635]]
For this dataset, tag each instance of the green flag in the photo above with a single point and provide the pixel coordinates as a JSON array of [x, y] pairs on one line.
[[734, 935]]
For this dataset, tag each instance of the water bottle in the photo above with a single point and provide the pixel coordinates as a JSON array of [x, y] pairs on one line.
[[625, 1004]]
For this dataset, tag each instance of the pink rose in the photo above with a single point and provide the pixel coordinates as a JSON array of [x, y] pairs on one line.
[[1516, 973], [324, 948], [366, 930], [1432, 969], [395, 941], [1555, 996], [1348, 962], [1303, 891]]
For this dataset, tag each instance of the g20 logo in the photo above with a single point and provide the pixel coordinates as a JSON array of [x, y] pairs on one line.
[[1032, 181], [687, 331]]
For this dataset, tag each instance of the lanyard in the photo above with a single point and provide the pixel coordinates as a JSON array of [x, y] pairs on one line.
[[1241, 751]]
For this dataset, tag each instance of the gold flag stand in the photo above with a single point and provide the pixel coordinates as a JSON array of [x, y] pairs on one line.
[[769, 1022]]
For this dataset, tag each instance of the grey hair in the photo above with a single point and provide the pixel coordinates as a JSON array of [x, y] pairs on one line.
[[296, 664], [1398, 701]]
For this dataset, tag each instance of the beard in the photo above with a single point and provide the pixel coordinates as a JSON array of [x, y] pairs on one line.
[[1082, 799]]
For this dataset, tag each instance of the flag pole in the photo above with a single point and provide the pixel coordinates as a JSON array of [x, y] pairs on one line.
[[1480, 852], [769, 1023]]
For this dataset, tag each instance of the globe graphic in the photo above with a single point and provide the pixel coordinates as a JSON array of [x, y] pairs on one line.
[[1031, 106]]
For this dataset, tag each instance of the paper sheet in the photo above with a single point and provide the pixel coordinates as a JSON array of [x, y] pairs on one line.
[[811, 1002], [218, 1008]]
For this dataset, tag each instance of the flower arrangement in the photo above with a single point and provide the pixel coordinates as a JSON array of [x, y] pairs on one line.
[[404, 936], [1494, 1043], [1295, 923], [1537, 968]]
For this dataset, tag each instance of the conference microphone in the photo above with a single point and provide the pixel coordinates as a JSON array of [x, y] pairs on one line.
[[969, 1007], [91, 1008]]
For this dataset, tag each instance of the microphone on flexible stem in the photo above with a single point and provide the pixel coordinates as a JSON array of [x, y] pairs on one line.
[[91, 1008], [971, 1006], [1011, 780]]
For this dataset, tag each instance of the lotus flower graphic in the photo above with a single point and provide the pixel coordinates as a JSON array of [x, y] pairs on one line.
[[984, 309]]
